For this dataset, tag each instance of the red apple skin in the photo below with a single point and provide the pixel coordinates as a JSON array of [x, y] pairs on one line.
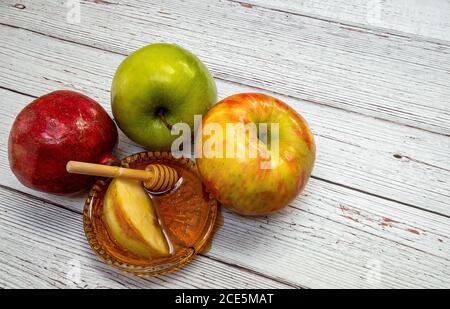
[[240, 184], [53, 129]]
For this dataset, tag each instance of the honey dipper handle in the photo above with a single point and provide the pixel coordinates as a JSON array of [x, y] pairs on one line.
[[156, 177], [84, 168]]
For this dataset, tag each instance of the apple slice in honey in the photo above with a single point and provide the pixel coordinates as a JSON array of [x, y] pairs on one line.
[[172, 228], [132, 221]]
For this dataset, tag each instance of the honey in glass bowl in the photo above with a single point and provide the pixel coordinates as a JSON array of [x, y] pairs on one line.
[[187, 214]]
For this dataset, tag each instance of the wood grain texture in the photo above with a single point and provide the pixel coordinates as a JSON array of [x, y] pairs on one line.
[[368, 72], [385, 159], [421, 19], [40, 244], [329, 237]]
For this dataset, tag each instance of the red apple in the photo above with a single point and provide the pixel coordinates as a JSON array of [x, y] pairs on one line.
[[53, 129], [281, 163]]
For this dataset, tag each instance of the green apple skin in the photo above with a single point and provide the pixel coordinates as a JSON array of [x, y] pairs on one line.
[[239, 183], [160, 78]]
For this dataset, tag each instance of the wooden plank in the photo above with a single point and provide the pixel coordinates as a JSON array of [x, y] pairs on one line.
[[42, 246], [368, 72], [329, 237], [335, 239], [428, 19], [385, 159]]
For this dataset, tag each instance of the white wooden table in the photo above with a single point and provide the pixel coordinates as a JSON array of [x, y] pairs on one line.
[[371, 77]]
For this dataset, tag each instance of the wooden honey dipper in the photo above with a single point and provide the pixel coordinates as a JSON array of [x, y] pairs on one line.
[[155, 177]]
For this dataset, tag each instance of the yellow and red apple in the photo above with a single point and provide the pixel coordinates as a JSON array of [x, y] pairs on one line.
[[261, 183]]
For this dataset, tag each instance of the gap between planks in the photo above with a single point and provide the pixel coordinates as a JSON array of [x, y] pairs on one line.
[[377, 30], [380, 196]]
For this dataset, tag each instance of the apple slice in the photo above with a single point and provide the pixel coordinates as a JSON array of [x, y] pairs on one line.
[[131, 219]]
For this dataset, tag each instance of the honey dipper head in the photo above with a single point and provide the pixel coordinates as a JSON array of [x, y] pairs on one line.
[[163, 178]]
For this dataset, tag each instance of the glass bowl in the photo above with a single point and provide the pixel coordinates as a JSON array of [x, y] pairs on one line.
[[188, 212]]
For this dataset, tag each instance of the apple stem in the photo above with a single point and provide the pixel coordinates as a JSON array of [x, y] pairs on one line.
[[164, 120]]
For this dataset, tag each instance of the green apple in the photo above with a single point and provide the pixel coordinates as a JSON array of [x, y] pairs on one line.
[[157, 86]]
